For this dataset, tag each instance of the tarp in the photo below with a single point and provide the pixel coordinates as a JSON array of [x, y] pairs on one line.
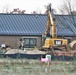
[[35, 56]]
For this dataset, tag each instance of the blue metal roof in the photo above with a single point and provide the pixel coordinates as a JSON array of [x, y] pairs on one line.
[[66, 25], [22, 24], [35, 24]]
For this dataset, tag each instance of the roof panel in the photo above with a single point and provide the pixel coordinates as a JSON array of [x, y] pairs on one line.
[[65, 25], [35, 24], [22, 24]]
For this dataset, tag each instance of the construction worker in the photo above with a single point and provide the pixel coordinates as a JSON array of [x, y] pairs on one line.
[[20, 44]]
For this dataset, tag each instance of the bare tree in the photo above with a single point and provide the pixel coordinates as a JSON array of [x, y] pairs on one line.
[[6, 9], [17, 11], [68, 7], [37, 11], [34, 12]]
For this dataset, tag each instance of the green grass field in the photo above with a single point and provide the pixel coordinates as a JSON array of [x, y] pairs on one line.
[[36, 67]]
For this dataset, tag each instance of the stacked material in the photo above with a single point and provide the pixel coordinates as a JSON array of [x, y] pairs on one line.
[[72, 43], [14, 51], [35, 52]]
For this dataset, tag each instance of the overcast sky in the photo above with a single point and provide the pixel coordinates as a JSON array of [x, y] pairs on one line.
[[28, 5]]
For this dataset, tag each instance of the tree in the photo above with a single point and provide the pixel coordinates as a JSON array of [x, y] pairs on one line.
[[68, 7], [37, 11], [17, 11], [6, 9]]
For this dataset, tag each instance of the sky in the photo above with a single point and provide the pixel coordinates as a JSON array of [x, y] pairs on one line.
[[28, 5]]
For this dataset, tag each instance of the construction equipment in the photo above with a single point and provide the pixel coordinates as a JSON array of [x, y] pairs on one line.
[[51, 25], [53, 44]]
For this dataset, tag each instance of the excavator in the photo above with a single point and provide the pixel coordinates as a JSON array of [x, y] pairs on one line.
[[54, 45], [51, 25]]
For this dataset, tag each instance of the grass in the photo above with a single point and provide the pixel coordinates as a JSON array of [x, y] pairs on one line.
[[36, 67]]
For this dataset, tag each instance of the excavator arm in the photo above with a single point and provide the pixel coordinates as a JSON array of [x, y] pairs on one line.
[[51, 23]]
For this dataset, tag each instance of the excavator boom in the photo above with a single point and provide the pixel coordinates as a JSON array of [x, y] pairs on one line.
[[51, 22]]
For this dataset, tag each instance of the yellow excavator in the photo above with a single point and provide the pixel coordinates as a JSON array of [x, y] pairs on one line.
[[51, 26]]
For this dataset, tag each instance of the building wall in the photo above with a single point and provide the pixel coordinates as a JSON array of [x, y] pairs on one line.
[[73, 38], [13, 40]]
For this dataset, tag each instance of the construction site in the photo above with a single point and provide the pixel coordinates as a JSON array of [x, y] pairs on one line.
[[49, 42], [37, 44]]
